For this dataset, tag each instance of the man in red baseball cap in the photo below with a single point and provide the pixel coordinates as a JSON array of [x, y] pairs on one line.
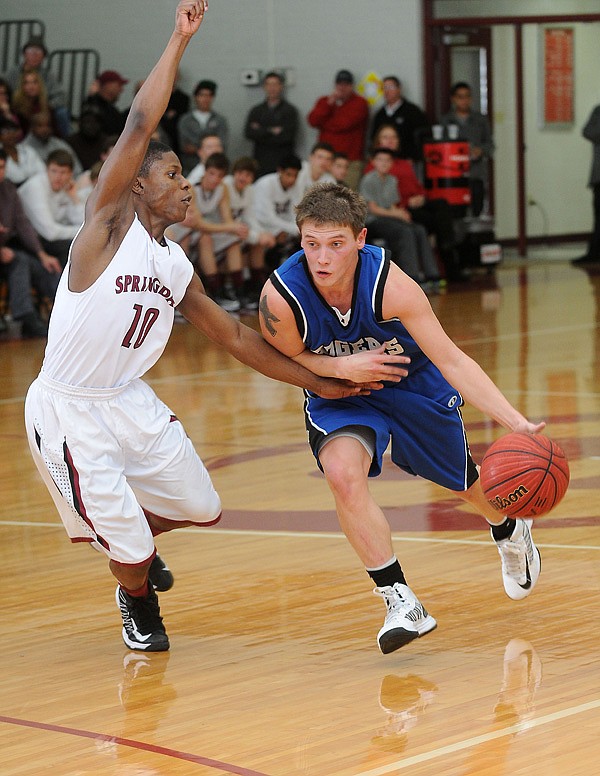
[[109, 86]]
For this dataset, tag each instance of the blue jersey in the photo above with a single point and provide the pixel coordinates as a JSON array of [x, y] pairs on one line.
[[420, 413]]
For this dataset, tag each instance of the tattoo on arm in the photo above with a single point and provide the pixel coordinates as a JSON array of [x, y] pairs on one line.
[[268, 318]]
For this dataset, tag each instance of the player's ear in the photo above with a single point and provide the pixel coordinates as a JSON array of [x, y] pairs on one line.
[[361, 238], [138, 187]]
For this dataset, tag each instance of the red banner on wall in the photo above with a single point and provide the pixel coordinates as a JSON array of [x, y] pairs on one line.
[[558, 75]]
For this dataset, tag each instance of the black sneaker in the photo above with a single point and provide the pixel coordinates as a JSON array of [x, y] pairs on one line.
[[160, 575], [142, 624]]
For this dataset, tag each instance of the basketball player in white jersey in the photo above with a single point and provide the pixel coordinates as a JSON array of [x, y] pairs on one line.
[[115, 459]]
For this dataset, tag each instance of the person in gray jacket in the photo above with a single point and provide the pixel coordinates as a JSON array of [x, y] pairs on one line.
[[201, 120], [591, 132], [474, 127]]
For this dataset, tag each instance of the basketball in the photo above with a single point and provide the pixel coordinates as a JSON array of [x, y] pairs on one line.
[[524, 475]]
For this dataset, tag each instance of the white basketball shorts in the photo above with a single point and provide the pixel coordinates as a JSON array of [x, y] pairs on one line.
[[106, 455]]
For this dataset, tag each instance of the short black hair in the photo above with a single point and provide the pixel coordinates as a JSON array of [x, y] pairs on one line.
[[459, 85], [210, 86], [155, 151], [322, 147], [393, 78], [2, 154], [289, 162], [61, 158], [247, 164], [218, 161], [274, 74], [382, 150]]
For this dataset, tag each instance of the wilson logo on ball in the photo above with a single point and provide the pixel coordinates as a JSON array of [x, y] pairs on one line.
[[501, 503]]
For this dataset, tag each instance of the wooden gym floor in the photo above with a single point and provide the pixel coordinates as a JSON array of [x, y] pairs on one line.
[[274, 669]]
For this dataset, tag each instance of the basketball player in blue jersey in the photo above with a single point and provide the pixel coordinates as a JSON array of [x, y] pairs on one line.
[[341, 298], [115, 459]]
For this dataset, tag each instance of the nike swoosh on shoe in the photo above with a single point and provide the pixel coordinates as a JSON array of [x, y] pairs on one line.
[[527, 584]]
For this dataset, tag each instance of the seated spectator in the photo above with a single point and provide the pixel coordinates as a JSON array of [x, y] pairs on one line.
[[339, 168], [241, 199], [23, 261], [210, 144], [85, 182], [34, 54], [435, 214], [201, 120], [179, 103], [43, 141], [317, 168], [272, 125], [210, 228], [275, 196], [89, 140], [106, 91], [6, 111], [52, 205], [409, 120], [21, 161], [388, 221], [29, 99]]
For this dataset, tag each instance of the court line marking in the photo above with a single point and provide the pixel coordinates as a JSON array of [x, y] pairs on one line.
[[163, 750], [482, 739], [318, 535]]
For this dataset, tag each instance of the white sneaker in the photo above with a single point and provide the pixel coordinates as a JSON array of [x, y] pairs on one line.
[[406, 618], [521, 561]]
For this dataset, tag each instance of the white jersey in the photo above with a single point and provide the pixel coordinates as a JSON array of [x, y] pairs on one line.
[[242, 208], [305, 179], [274, 205], [114, 331]]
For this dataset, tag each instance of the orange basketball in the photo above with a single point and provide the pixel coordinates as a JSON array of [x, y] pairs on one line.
[[524, 475]]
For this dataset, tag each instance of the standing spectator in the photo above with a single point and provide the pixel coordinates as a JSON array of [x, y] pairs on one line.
[[179, 103], [475, 128], [23, 261], [109, 87], [34, 54], [43, 141], [201, 120], [89, 140], [272, 125], [391, 222], [410, 121], [317, 169], [51, 203], [21, 161], [276, 195], [591, 132], [341, 118]]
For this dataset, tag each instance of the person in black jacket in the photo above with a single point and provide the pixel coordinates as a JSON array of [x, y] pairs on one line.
[[410, 121]]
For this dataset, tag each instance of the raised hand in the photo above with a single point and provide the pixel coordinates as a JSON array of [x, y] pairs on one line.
[[189, 16]]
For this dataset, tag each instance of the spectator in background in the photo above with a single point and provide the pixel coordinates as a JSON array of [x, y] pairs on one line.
[[272, 125], [29, 99], [43, 141], [276, 195], [241, 200], [34, 54], [317, 168], [21, 161], [339, 168], [435, 214], [6, 111], [591, 132], [51, 203], [201, 120], [89, 140], [107, 89], [410, 121], [388, 220], [179, 103], [209, 145], [341, 118], [23, 261], [85, 182], [475, 128]]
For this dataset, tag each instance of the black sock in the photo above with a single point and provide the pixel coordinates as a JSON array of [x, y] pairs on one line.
[[388, 575], [504, 530]]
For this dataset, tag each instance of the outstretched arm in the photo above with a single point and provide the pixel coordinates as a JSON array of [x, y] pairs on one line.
[[248, 346], [110, 207]]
